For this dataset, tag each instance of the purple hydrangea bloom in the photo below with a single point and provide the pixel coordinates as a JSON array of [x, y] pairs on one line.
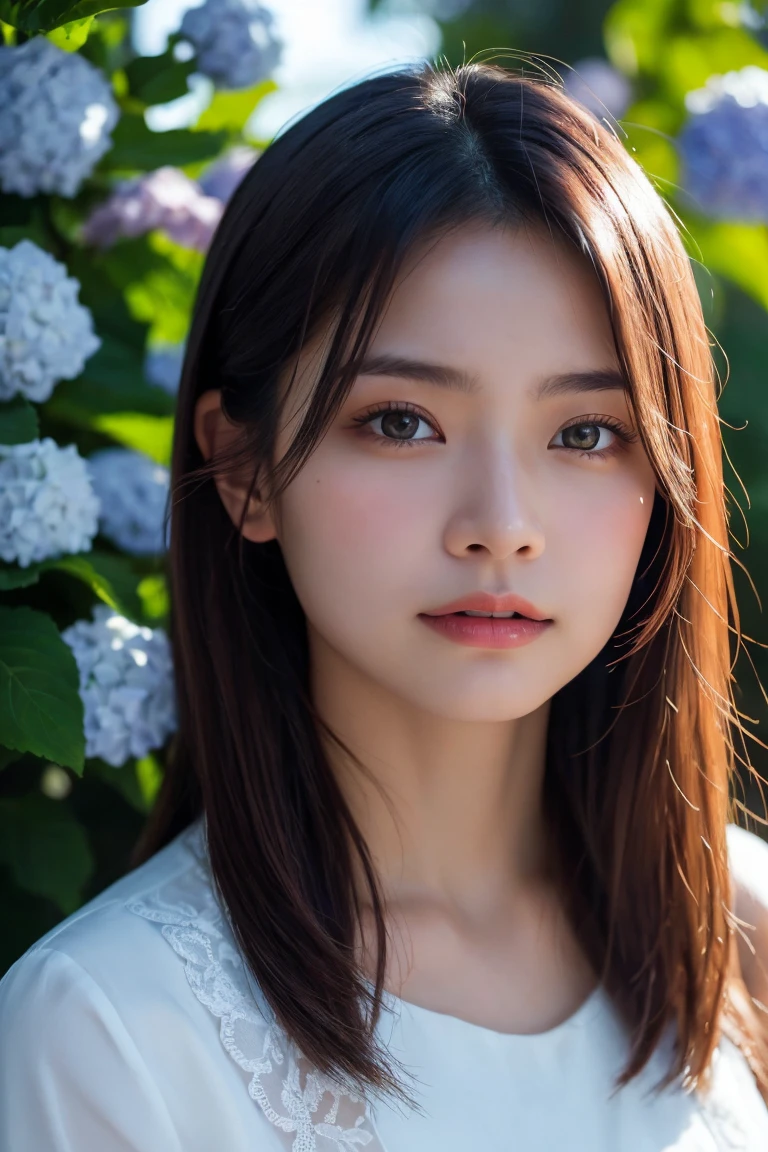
[[599, 87], [57, 113], [164, 199], [724, 146], [234, 41], [222, 177]]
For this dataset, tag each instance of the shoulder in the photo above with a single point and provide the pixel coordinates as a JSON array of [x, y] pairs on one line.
[[94, 1016], [105, 938], [748, 858]]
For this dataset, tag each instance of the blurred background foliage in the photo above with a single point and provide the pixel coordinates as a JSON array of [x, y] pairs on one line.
[[69, 817]]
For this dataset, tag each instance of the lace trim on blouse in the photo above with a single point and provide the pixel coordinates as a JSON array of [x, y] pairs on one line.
[[310, 1111]]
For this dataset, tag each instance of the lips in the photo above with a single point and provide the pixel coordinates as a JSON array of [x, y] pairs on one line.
[[486, 602]]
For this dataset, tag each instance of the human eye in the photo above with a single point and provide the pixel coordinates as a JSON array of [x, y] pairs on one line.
[[586, 436], [399, 424]]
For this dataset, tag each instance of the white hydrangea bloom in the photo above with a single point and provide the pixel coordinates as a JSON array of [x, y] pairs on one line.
[[126, 685], [47, 505], [58, 111], [46, 335], [234, 41], [163, 364], [133, 491]]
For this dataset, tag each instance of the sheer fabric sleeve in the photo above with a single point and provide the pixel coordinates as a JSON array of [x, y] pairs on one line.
[[71, 1077], [748, 858]]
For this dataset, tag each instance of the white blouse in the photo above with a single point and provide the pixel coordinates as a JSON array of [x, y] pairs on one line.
[[134, 1025]]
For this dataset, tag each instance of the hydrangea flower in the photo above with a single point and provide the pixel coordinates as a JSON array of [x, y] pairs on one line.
[[133, 491], [45, 334], [163, 364], [222, 177], [599, 87], [724, 146], [47, 504], [58, 111], [234, 41], [126, 685], [165, 199]]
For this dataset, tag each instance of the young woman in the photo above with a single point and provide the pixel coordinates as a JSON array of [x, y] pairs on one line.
[[444, 857]]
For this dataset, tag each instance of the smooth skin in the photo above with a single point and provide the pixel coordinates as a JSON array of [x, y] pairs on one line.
[[491, 493]]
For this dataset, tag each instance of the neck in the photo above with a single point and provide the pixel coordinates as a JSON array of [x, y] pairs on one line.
[[451, 810]]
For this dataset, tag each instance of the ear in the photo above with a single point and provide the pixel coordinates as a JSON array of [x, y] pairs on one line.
[[214, 434]]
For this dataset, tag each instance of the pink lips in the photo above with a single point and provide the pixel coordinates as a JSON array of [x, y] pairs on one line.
[[485, 602], [488, 632]]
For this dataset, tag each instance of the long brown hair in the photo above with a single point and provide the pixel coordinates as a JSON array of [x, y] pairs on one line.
[[640, 750]]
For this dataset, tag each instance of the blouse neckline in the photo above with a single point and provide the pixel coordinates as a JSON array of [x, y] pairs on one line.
[[594, 1006]]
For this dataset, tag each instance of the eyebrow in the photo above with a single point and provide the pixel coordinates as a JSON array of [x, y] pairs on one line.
[[593, 380]]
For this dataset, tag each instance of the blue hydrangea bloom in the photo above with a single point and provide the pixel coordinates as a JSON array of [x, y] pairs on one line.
[[133, 491], [234, 41], [45, 334], [126, 685], [724, 146], [57, 113], [163, 364], [47, 504]]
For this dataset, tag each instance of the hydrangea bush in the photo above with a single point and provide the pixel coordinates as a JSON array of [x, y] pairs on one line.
[[103, 228]]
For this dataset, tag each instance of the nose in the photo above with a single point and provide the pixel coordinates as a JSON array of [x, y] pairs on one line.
[[494, 508]]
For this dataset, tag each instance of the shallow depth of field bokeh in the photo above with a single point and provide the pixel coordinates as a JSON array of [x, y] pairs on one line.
[[106, 213]]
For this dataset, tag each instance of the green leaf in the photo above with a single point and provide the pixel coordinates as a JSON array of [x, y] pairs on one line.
[[124, 780], [232, 110], [110, 577], [18, 422], [9, 756], [82, 569], [112, 381], [32, 16], [634, 32], [149, 774], [737, 251], [155, 599], [45, 849], [69, 37], [158, 79], [136, 148], [689, 60], [40, 706], [12, 576], [152, 435]]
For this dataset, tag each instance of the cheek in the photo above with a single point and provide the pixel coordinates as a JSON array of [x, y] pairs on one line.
[[597, 535], [351, 538]]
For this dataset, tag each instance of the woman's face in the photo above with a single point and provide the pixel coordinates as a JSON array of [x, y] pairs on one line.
[[477, 485]]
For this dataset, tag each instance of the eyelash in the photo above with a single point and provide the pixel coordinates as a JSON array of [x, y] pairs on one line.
[[624, 435]]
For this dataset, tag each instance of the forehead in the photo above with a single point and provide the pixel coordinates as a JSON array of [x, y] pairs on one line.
[[494, 303], [487, 294]]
